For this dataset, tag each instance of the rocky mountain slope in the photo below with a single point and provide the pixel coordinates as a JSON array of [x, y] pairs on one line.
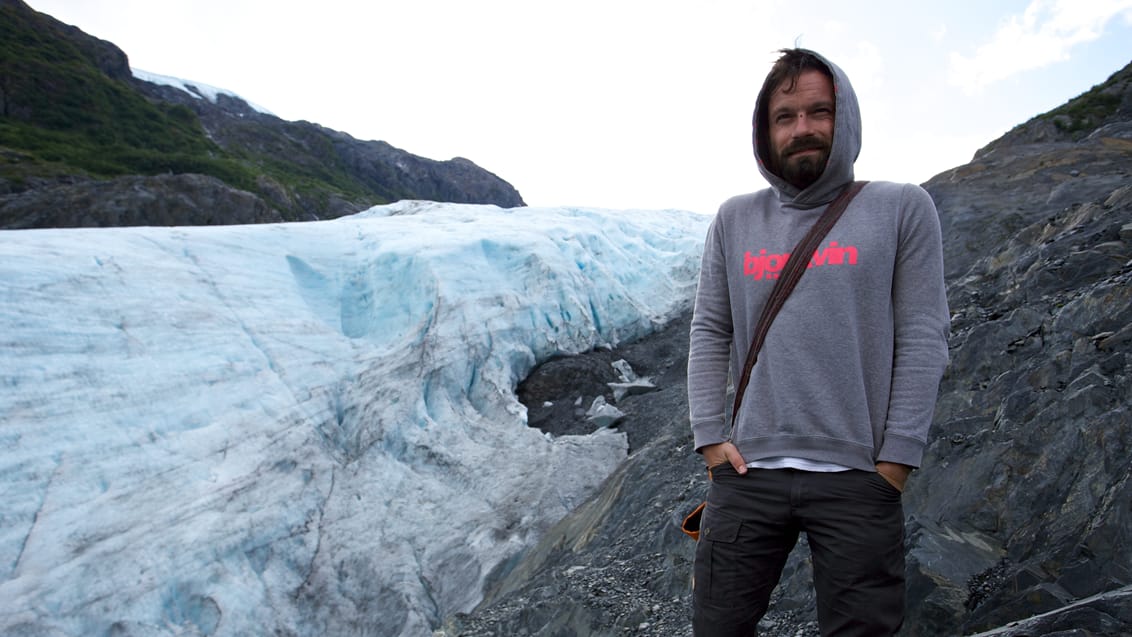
[[1019, 522], [77, 127]]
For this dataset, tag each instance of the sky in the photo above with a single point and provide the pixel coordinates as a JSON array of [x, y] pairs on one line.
[[625, 103]]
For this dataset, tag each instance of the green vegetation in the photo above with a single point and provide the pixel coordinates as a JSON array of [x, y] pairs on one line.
[[89, 156], [1091, 109], [59, 106], [1085, 113]]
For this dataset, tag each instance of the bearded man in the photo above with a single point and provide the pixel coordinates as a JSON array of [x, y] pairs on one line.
[[836, 413]]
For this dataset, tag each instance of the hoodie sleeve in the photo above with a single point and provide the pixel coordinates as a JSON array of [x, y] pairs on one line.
[[921, 322], [709, 351]]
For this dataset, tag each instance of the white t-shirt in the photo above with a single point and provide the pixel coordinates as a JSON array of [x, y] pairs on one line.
[[802, 464]]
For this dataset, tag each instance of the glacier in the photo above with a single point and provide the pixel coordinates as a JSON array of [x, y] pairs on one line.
[[197, 90], [302, 428]]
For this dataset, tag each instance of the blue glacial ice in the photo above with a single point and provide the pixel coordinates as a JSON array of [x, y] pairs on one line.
[[302, 429]]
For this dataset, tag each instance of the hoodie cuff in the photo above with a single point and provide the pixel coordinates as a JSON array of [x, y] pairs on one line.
[[705, 434], [901, 450]]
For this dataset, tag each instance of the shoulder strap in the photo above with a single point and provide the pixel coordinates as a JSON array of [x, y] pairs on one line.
[[795, 266]]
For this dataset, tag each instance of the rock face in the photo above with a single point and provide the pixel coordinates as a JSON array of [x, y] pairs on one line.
[[77, 125], [163, 200], [1019, 522], [1022, 507]]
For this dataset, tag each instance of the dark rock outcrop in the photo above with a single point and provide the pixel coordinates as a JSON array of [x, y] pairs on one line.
[[1036, 170], [1020, 520], [163, 200], [1022, 506]]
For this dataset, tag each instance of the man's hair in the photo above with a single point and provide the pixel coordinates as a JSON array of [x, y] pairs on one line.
[[791, 64]]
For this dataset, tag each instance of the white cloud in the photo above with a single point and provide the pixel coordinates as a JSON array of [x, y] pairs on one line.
[[1043, 34]]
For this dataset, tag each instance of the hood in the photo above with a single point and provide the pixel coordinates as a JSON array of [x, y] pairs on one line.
[[846, 146]]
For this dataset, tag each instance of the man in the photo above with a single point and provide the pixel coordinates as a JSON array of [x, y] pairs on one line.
[[838, 406]]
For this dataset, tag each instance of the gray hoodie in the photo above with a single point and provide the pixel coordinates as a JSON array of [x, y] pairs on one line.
[[851, 367]]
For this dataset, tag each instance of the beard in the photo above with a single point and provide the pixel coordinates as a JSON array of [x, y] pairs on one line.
[[801, 171]]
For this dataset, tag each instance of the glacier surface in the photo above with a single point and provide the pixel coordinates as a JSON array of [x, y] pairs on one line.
[[302, 429], [197, 90]]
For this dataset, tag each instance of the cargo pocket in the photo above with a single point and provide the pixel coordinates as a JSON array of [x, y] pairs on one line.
[[715, 570]]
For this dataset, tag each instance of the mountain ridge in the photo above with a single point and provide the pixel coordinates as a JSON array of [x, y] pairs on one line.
[[74, 116]]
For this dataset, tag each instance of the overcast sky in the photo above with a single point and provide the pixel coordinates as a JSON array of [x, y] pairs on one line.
[[625, 103]]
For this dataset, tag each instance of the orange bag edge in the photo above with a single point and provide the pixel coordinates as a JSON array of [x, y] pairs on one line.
[[691, 524]]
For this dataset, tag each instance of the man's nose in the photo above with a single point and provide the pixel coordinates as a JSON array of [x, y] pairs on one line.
[[803, 126]]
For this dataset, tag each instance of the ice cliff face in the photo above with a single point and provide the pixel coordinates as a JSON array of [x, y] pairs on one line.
[[301, 428]]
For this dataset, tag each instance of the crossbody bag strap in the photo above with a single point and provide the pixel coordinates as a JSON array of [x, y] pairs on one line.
[[796, 265]]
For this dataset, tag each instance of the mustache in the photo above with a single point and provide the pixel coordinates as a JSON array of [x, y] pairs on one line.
[[806, 143]]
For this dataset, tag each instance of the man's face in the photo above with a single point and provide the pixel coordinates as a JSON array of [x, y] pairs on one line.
[[801, 128]]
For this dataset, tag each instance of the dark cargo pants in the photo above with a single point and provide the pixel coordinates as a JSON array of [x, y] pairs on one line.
[[854, 522]]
